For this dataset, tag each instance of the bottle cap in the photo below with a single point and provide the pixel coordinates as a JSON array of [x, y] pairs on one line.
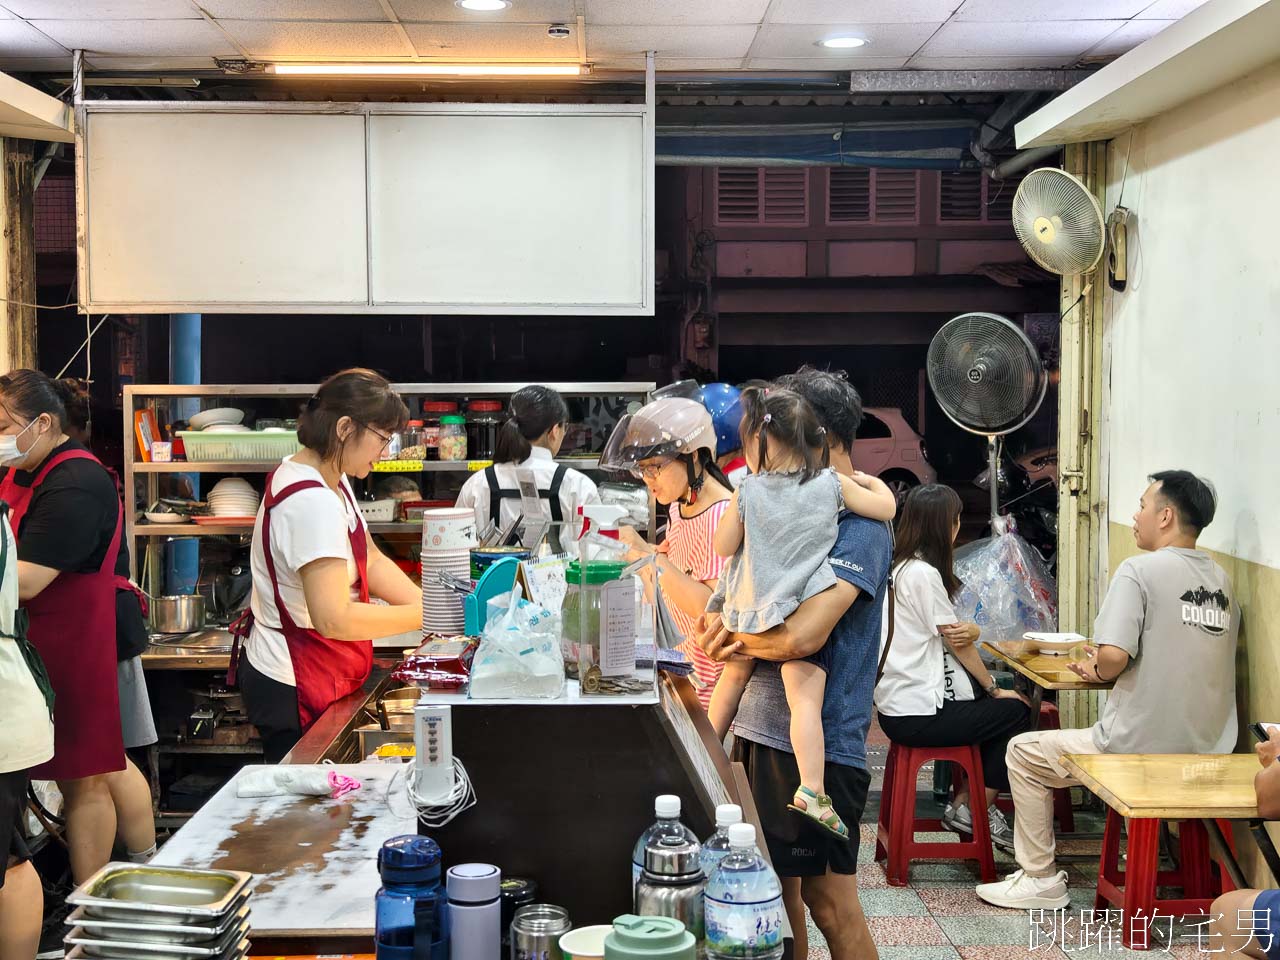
[[727, 814], [649, 938], [742, 836], [409, 859], [667, 806], [474, 883]]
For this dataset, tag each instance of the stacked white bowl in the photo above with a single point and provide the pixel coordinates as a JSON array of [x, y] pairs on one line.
[[448, 536], [233, 497]]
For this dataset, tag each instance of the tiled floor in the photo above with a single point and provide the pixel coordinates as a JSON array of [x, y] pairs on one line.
[[939, 917]]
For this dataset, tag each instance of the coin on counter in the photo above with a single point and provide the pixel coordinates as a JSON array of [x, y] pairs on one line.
[[591, 680]]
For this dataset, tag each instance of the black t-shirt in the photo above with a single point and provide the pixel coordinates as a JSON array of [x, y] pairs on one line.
[[72, 517]]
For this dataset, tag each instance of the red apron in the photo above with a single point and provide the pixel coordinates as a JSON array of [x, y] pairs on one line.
[[324, 670], [73, 626]]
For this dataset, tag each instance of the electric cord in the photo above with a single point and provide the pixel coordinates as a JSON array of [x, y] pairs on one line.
[[436, 812]]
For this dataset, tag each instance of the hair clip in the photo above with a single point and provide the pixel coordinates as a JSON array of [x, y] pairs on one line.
[[822, 431], [768, 418]]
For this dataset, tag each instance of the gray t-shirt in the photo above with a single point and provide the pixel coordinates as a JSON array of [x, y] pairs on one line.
[[1173, 611]]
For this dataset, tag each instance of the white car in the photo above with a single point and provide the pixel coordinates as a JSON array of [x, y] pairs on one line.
[[887, 447]]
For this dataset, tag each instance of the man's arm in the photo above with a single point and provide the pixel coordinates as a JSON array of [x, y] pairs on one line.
[[1116, 632], [803, 633]]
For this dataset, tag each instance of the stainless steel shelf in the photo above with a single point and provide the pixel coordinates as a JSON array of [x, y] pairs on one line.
[[426, 466]]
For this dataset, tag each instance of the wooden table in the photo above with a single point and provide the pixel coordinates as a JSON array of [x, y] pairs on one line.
[[1045, 672], [1181, 786]]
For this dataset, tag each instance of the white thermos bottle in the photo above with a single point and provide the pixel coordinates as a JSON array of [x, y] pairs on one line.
[[475, 912]]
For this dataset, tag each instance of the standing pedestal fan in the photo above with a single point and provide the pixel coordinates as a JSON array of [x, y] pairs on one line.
[[988, 379]]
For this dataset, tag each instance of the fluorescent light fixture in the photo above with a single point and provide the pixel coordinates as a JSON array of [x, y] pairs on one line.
[[484, 6], [843, 43], [428, 69]]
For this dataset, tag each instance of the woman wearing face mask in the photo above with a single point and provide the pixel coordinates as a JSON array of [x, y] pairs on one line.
[[67, 518], [315, 567], [671, 445]]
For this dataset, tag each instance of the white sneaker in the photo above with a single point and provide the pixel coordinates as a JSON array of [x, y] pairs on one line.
[[1020, 892], [958, 819]]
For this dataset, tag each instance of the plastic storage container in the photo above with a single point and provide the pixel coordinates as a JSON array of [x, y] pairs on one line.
[[667, 809], [717, 846], [453, 437], [580, 613], [410, 904], [410, 442], [483, 419], [744, 913], [209, 446], [432, 411]]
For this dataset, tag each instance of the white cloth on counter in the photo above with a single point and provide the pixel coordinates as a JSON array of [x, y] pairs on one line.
[[305, 780]]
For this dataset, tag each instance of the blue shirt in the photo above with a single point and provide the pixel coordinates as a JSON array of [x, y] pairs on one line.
[[861, 557]]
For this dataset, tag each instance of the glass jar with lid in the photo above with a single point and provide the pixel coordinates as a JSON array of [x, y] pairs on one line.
[[580, 613], [432, 411], [453, 437], [483, 419]]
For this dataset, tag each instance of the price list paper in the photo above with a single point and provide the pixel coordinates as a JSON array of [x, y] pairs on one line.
[[618, 628]]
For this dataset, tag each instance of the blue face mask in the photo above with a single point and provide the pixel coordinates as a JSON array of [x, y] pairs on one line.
[[10, 455]]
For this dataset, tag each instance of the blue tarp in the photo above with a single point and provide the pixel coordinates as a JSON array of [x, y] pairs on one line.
[[929, 145]]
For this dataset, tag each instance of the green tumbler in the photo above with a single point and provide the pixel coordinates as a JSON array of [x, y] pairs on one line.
[[649, 938]]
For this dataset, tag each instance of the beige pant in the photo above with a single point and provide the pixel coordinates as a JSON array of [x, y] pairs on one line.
[[1035, 771]]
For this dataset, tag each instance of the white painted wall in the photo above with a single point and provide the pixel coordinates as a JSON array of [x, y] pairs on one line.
[[1195, 340]]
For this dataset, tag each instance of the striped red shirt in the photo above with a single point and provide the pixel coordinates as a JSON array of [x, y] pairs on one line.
[[689, 549]]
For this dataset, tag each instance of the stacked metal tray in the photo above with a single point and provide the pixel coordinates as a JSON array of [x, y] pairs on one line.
[[160, 913]]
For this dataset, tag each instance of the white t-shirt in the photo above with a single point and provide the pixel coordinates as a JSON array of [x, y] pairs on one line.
[[24, 717], [313, 524], [576, 489], [915, 677]]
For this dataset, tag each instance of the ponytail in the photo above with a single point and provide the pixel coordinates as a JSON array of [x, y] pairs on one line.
[[534, 410]]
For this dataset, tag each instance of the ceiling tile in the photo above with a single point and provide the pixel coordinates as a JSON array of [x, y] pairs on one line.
[[1129, 36], [885, 40], [670, 64], [698, 42], [823, 63], [520, 11], [155, 38], [1017, 39], [369, 10], [36, 65], [870, 11], [989, 63], [674, 12], [312, 40], [499, 41], [150, 63], [998, 11], [19, 39], [1169, 9], [103, 9]]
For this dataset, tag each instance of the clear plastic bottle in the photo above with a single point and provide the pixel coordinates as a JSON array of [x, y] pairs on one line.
[[717, 846], [667, 809], [744, 914], [410, 904]]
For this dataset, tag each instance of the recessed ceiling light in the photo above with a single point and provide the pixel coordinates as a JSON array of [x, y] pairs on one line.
[[842, 43], [484, 6]]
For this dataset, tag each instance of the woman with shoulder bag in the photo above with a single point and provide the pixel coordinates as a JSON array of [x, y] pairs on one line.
[[935, 690]]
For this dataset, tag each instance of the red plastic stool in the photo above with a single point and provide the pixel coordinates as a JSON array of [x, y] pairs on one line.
[[896, 844], [1133, 890]]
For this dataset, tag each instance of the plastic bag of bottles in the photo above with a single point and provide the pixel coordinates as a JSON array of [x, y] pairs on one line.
[[519, 653], [1007, 588]]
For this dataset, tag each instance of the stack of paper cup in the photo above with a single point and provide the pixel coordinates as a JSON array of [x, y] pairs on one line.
[[448, 536]]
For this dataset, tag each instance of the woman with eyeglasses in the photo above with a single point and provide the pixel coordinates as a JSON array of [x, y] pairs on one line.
[[316, 569], [670, 444]]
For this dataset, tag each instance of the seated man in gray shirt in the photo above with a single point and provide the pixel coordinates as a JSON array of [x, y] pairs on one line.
[[1166, 634]]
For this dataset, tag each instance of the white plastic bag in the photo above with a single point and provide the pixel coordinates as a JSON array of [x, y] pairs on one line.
[[519, 653], [1007, 588]]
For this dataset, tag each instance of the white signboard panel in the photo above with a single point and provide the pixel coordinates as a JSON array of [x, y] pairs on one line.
[[224, 210], [495, 211]]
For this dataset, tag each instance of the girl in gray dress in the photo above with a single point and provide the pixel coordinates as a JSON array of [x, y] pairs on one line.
[[778, 531]]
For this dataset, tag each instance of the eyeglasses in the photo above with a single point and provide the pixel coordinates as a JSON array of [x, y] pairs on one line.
[[650, 471], [386, 441]]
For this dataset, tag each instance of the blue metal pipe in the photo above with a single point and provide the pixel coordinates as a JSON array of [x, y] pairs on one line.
[[182, 557]]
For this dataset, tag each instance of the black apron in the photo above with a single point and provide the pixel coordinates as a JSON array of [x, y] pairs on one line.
[[497, 494]]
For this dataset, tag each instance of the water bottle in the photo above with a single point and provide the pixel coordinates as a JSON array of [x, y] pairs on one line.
[[744, 914], [667, 809], [475, 911], [717, 846], [409, 907]]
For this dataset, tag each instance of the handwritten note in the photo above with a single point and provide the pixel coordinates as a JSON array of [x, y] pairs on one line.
[[618, 628]]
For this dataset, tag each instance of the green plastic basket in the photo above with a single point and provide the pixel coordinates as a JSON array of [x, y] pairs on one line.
[[204, 446]]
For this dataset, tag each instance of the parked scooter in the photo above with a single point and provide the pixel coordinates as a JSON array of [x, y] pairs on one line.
[[1032, 508]]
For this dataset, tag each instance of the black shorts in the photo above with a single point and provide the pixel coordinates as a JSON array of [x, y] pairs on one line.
[[13, 808], [797, 846], [272, 707]]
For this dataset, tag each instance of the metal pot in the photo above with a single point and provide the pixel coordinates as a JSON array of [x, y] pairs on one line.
[[178, 614]]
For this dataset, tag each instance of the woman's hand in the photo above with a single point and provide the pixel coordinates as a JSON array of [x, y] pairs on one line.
[[638, 546], [961, 635], [1001, 694]]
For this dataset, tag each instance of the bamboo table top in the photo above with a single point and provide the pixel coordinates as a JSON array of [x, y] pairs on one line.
[[1046, 672], [1171, 786]]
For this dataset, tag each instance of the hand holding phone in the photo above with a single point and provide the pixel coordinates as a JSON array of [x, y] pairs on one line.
[[1268, 746]]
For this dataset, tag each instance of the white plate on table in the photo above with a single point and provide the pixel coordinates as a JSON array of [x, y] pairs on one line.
[[1054, 644], [220, 416]]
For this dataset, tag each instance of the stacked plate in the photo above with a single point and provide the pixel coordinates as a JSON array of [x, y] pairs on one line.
[[233, 497], [448, 535], [160, 913], [219, 417]]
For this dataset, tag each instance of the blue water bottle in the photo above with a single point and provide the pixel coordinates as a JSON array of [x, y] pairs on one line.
[[410, 905]]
